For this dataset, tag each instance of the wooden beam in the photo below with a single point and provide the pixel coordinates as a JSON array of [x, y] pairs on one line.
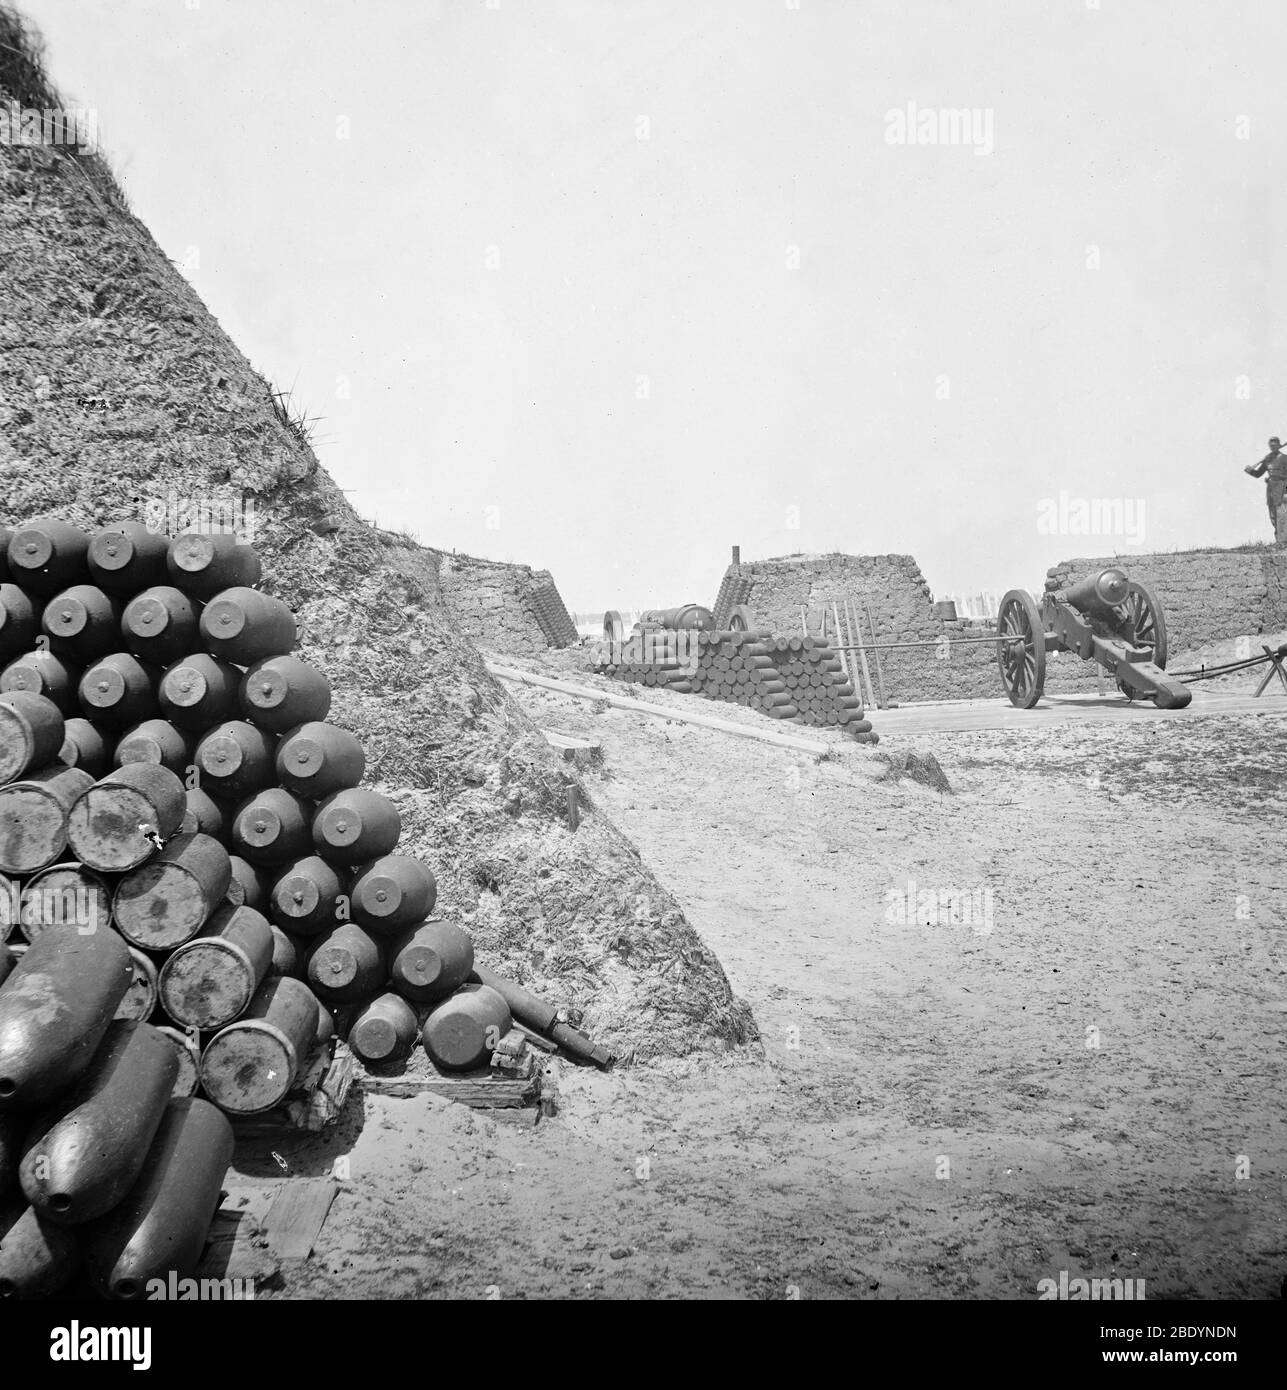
[[705, 721]]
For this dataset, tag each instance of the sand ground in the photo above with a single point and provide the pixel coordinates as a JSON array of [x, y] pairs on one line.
[[1037, 1024]]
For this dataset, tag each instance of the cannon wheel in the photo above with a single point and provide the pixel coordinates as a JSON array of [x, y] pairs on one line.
[[1146, 627], [614, 630], [740, 618], [1022, 659]]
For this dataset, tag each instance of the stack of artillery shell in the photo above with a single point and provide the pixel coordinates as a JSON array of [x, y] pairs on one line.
[[796, 678], [552, 616]]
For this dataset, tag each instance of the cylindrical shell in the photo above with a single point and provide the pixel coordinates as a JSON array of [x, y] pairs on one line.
[[526, 1007], [250, 1066], [346, 965], [356, 825], [431, 961], [245, 626], [82, 623], [236, 759], [33, 816], [111, 825], [202, 812], [189, 1056], [303, 896], [385, 1030], [119, 689], [162, 1223], [43, 673], [31, 733], [392, 893], [248, 887], [83, 746], [160, 624], [141, 998], [282, 692], [317, 759], [65, 895], [208, 982], [199, 691], [18, 621], [272, 827], [288, 954], [126, 557], [156, 741], [37, 1258], [47, 555], [166, 901], [83, 1155], [461, 1033], [54, 1010], [202, 565], [325, 1025]]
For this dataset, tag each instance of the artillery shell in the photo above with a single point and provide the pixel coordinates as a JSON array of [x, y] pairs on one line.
[[202, 812], [47, 555], [166, 901], [82, 1156], [202, 565], [155, 741], [208, 982], [162, 1223], [199, 690], [525, 1006], [55, 1008], [82, 623], [461, 1033], [356, 825], [392, 893], [33, 816], [31, 733], [317, 759], [288, 953], [303, 896], [18, 621], [346, 965], [119, 689], [282, 692], [236, 759], [250, 1066], [37, 1258], [115, 824], [65, 895], [188, 1053], [272, 827], [385, 1030], [431, 961], [245, 626], [248, 888], [43, 673], [83, 746], [160, 625], [126, 558]]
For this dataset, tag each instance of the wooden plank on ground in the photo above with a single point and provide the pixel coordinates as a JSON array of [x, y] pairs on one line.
[[481, 1090], [297, 1215]]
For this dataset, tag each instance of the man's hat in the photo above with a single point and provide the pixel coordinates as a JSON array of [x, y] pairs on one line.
[[1275, 440]]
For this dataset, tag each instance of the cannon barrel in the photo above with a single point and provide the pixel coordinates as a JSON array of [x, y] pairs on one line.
[[1098, 593], [688, 615]]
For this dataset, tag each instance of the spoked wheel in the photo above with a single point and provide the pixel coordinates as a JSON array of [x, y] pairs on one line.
[[1144, 624], [1021, 652], [614, 630]]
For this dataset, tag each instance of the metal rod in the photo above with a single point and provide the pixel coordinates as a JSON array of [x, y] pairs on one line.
[[880, 671], [899, 646]]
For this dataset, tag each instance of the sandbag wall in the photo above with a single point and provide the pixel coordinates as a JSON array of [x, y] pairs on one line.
[[796, 678], [201, 884]]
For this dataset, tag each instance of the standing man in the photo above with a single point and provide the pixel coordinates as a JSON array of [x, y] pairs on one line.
[[1274, 464]]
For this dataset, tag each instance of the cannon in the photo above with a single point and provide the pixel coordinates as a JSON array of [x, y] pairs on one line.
[[688, 617], [1106, 618]]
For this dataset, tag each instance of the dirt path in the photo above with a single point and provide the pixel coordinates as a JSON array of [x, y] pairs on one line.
[[1055, 1064]]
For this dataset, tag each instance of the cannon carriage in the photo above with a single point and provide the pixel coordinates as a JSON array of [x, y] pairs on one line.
[[1107, 618]]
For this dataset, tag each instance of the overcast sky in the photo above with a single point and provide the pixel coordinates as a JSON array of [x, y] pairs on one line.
[[607, 287]]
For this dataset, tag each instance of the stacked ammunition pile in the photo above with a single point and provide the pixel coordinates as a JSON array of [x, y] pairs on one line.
[[200, 882], [796, 678], [551, 614]]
